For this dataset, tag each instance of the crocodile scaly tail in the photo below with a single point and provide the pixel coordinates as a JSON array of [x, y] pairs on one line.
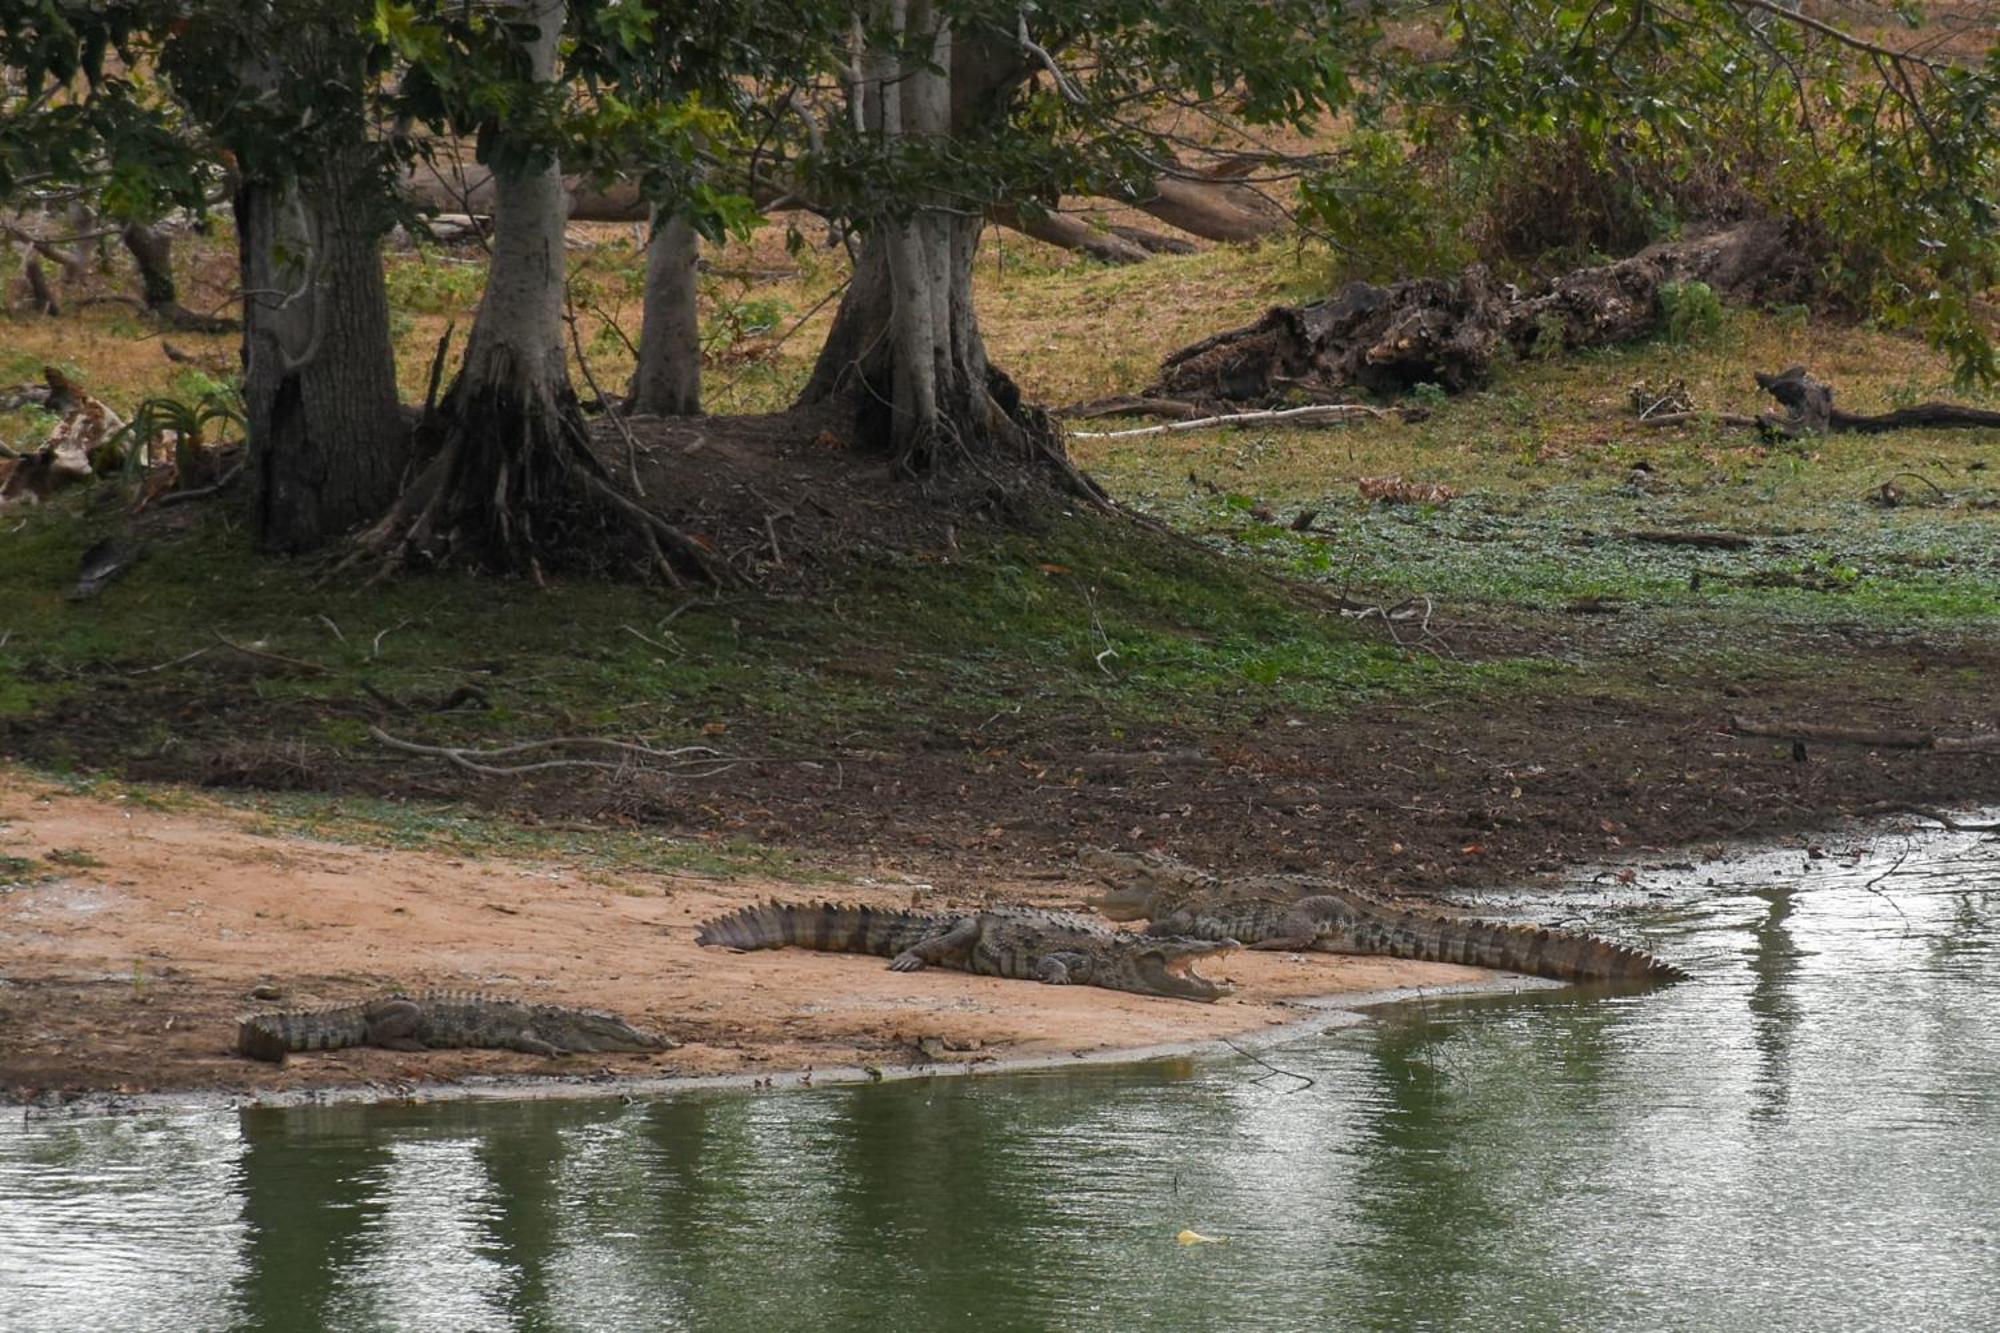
[[275, 1035], [1560, 954], [832, 927]]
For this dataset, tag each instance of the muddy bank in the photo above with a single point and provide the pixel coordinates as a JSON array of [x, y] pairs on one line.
[[131, 937]]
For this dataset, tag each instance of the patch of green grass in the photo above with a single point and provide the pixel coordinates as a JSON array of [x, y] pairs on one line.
[[74, 858], [1083, 617]]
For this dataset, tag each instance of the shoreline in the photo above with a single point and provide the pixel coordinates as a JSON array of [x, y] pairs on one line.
[[1319, 1014], [135, 933]]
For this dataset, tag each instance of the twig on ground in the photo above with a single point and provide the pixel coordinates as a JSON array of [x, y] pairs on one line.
[[1097, 628], [327, 621], [1884, 740], [1732, 419], [375, 649], [163, 666], [269, 656], [771, 531], [699, 761], [654, 643], [1321, 414]]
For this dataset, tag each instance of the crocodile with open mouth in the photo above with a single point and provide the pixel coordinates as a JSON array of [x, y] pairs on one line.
[[1025, 944]]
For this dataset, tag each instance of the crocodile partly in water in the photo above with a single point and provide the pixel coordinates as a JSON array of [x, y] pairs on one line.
[[1025, 944], [1308, 913], [441, 1019]]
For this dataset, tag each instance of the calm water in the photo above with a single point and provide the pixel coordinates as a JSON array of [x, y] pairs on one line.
[[1806, 1138]]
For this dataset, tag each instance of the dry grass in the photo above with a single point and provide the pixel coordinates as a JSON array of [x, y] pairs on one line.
[[1069, 329]]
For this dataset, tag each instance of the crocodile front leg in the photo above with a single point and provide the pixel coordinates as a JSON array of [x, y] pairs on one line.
[[1296, 931], [1063, 969], [938, 948], [394, 1025]]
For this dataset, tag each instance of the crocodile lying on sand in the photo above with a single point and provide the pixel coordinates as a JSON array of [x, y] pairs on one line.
[[440, 1019], [1024, 944], [1304, 912]]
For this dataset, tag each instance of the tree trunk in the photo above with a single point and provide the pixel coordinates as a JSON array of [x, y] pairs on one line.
[[667, 382], [905, 346], [152, 250], [328, 440], [41, 297], [513, 484]]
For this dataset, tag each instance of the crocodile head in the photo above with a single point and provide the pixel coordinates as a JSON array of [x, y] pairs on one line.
[[589, 1030], [1137, 885], [1165, 967]]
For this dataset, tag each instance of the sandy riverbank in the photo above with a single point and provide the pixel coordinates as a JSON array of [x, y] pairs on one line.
[[131, 937]]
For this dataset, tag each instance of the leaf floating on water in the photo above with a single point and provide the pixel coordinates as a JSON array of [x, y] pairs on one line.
[[1196, 1238]]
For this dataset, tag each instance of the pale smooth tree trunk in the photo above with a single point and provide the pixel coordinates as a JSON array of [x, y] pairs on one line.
[[513, 485], [667, 382], [905, 345]]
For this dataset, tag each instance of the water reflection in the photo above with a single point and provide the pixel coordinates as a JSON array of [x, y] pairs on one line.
[[1774, 1002], [1808, 1136]]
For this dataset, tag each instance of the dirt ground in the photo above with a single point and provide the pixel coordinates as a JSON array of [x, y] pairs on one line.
[[125, 967]]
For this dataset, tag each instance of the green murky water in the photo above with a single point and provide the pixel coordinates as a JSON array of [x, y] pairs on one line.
[[1808, 1137]]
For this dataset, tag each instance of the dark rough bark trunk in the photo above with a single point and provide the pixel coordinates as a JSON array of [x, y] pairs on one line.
[[152, 251], [328, 440], [41, 297], [667, 382]]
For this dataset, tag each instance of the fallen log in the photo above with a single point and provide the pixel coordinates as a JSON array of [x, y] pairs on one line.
[[1212, 210], [1879, 740], [1126, 405], [1810, 410], [1451, 331], [467, 190], [1072, 233], [1154, 242], [1722, 541]]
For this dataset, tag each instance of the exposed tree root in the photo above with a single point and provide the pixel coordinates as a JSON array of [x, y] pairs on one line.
[[687, 761], [514, 487]]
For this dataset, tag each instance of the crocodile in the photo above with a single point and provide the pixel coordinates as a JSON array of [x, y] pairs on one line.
[[435, 1020], [1024, 944], [1305, 912]]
